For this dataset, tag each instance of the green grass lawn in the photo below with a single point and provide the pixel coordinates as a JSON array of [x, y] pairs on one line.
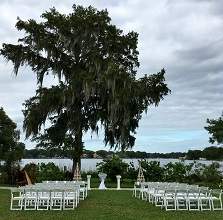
[[105, 205]]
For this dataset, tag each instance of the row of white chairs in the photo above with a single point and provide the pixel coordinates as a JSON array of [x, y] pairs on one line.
[[176, 196], [48, 196], [83, 190]]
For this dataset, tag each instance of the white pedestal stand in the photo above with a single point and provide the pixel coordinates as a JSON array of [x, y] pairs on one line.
[[118, 182], [89, 182], [102, 177]]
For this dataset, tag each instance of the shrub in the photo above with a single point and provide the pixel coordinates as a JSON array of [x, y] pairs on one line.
[[176, 172], [152, 170], [112, 167], [211, 173], [132, 172], [50, 172], [94, 174]]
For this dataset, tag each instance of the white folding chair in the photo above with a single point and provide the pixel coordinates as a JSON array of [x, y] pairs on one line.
[[143, 191], [170, 200], [136, 189], [70, 199], [43, 199], [56, 199], [150, 193], [216, 199], [30, 198], [181, 199], [193, 200], [205, 199], [159, 196], [82, 190], [16, 199]]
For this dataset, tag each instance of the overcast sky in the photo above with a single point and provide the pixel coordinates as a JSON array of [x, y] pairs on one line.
[[183, 36]]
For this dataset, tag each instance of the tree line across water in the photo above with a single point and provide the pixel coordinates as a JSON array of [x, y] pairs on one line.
[[209, 153], [192, 173]]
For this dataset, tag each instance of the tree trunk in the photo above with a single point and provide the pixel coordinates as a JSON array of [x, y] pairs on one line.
[[78, 134], [78, 150], [76, 161]]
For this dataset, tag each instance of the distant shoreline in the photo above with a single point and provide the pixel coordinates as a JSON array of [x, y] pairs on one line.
[[90, 164], [209, 153], [155, 158]]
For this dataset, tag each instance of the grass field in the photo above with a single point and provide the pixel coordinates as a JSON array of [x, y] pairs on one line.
[[105, 205]]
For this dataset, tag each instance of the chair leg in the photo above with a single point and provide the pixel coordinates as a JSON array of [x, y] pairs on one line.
[[213, 205], [19, 204], [54, 202], [207, 203], [42, 203], [29, 202], [196, 202], [166, 204], [180, 203]]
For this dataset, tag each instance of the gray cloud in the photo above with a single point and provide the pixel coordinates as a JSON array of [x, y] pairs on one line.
[[185, 37]]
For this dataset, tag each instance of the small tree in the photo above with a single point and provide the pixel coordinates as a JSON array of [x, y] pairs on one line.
[[212, 174], [96, 66], [152, 170], [49, 172], [215, 129], [11, 150], [176, 172], [112, 167]]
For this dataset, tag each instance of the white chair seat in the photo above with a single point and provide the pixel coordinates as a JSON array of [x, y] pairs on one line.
[[18, 197], [180, 198], [30, 197], [158, 194], [43, 197], [193, 197], [204, 197]]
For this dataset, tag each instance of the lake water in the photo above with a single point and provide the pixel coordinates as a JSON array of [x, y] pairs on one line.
[[90, 164]]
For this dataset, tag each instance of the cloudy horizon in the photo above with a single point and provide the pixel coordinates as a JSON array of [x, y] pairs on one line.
[[184, 37]]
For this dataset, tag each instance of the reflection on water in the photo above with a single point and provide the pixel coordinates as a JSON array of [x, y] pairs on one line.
[[90, 164]]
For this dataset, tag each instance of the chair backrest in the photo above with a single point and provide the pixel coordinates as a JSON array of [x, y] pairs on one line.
[[30, 191], [17, 190], [181, 192], [216, 192], [204, 190], [170, 191], [194, 192]]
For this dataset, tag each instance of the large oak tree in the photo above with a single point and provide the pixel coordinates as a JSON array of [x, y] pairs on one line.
[[96, 65]]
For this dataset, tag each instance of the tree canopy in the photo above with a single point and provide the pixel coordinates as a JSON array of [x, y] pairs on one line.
[[96, 65], [215, 129], [11, 150]]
